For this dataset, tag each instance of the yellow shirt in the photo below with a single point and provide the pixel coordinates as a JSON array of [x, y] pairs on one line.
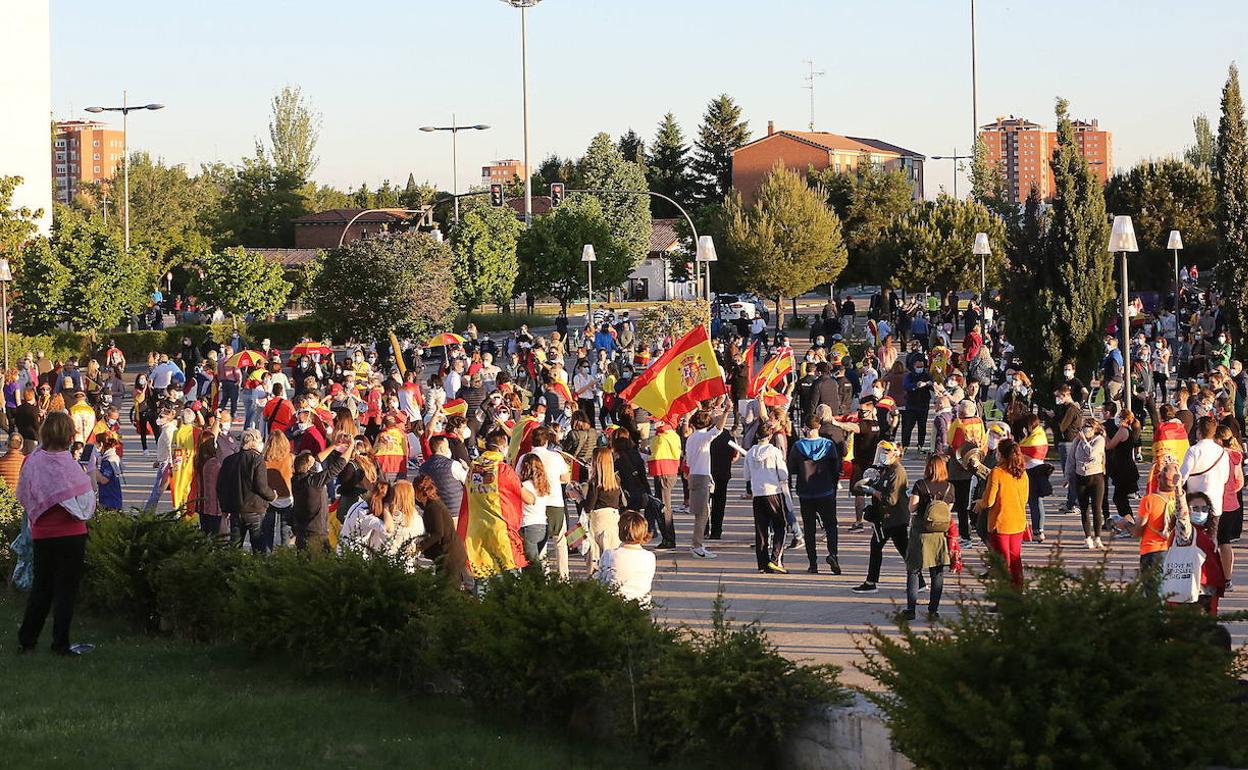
[[1005, 497]]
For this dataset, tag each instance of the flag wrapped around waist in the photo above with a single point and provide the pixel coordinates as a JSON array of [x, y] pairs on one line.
[[676, 381]]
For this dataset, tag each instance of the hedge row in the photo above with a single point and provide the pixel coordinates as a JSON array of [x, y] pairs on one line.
[[568, 653]]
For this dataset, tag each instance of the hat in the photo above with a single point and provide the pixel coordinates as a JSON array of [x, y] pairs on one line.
[[335, 389], [837, 337]]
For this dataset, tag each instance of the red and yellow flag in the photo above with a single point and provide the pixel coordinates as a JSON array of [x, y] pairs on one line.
[[455, 406], [774, 370], [677, 380], [1035, 446], [1169, 441]]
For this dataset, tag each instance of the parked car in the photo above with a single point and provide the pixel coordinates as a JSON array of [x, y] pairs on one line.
[[729, 307]]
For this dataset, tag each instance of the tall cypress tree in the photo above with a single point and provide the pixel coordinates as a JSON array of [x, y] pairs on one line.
[[1231, 185], [1062, 313], [721, 132], [631, 146], [667, 167]]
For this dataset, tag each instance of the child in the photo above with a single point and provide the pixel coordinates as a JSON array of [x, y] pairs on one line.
[[108, 477]]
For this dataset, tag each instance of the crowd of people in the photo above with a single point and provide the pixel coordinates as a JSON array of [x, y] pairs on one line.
[[478, 457]]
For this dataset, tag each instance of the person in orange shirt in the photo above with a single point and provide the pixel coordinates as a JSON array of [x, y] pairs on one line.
[[1155, 521], [1005, 499]]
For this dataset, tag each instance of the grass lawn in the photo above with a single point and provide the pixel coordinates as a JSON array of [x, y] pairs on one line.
[[143, 702]]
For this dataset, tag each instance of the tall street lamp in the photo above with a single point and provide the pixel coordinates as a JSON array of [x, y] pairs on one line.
[[955, 157], [6, 275], [455, 128], [981, 249], [587, 256], [125, 109], [1175, 243], [706, 253], [524, 5], [1122, 241]]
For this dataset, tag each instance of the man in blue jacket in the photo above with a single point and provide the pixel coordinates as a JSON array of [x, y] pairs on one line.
[[816, 461]]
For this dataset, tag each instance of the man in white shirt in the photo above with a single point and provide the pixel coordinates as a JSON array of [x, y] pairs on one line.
[[558, 473], [454, 378], [1206, 466], [162, 373], [488, 372], [698, 456]]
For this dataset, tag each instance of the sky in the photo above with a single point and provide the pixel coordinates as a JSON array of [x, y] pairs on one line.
[[897, 70]]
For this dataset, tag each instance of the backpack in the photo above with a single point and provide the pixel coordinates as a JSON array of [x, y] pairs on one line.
[[938, 515]]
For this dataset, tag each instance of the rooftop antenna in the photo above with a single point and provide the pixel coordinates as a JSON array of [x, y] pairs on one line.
[[809, 77]]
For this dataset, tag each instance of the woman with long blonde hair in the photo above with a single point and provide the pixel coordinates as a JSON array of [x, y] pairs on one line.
[[603, 501], [405, 525], [278, 529]]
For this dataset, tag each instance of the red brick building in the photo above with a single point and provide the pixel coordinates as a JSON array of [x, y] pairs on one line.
[[323, 229], [801, 150], [83, 151], [1024, 150], [502, 172]]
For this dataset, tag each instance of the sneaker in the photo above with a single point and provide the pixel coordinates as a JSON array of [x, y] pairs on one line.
[[813, 569], [965, 540], [906, 615], [834, 564], [702, 553], [797, 542], [1100, 546], [1040, 538], [1227, 588], [666, 545], [1090, 543], [856, 526], [865, 588], [776, 568]]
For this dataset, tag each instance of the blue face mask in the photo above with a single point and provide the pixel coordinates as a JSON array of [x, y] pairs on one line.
[[1199, 516]]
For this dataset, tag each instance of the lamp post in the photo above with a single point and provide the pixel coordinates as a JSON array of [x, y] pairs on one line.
[[955, 157], [706, 253], [524, 5], [125, 109], [587, 256], [1122, 240], [1175, 243], [6, 275], [981, 249], [455, 128]]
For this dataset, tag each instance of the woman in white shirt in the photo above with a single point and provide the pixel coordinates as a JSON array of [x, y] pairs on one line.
[[405, 525], [630, 567], [534, 496], [366, 524]]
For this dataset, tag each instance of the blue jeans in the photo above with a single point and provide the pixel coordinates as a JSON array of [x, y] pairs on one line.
[[229, 395], [276, 525], [1036, 506], [1062, 448], [251, 415]]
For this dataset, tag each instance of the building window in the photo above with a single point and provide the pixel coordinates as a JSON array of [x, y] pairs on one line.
[[96, 143], [96, 157], [60, 156], [60, 142], [60, 169], [97, 169]]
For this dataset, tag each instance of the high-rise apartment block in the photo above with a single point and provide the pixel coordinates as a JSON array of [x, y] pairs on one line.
[[83, 151], [502, 172], [1024, 150]]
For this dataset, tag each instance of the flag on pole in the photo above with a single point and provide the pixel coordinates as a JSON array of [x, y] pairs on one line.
[[676, 381], [398, 353], [773, 372]]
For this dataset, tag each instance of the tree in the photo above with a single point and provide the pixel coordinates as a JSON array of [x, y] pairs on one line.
[[241, 282], [485, 266], [632, 147], [879, 198], [17, 225], [628, 215], [1162, 196], [386, 197], [258, 206], [294, 128], [401, 283], [323, 198], [1231, 186], [416, 195], [172, 214], [988, 184], [931, 246], [1205, 150], [667, 168], [721, 132], [1060, 313], [81, 275], [556, 169], [788, 241], [549, 252]]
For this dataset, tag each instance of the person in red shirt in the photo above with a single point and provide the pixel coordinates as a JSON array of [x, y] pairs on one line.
[[279, 413], [1212, 577], [309, 437]]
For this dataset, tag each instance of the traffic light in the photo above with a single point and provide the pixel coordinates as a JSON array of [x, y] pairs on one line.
[[496, 195], [556, 193]]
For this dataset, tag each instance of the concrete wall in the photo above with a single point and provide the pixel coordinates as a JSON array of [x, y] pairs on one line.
[[852, 737], [26, 86]]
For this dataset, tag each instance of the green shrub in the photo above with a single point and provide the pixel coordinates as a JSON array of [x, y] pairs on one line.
[[57, 346], [730, 694], [1074, 671], [556, 649], [502, 322], [195, 591], [798, 321], [285, 334], [11, 514], [349, 614], [124, 555]]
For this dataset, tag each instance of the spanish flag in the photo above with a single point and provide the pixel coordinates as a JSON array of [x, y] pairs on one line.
[[1035, 446], [561, 388], [1169, 440], [521, 440], [684, 375], [773, 371], [455, 406]]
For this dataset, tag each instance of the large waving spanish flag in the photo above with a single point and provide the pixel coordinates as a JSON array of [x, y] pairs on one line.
[[1169, 441], [774, 370], [677, 380]]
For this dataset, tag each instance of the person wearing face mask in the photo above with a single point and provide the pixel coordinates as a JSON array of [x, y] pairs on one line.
[[1078, 391], [866, 437], [1221, 353], [1005, 499], [1085, 465], [918, 387], [889, 511], [585, 389], [1195, 526], [168, 426]]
